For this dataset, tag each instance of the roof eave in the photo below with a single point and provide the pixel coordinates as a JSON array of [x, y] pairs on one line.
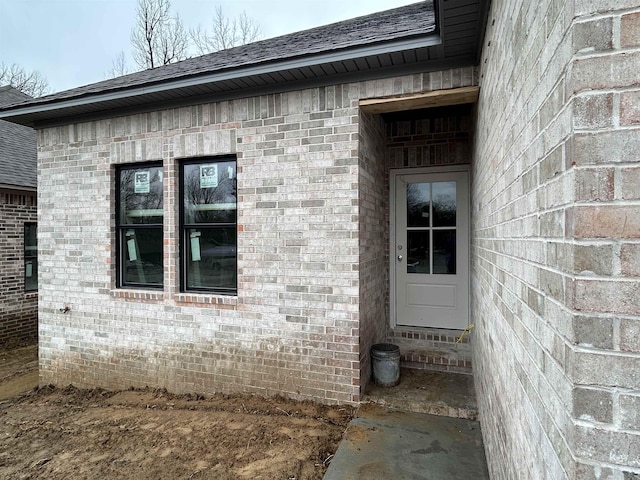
[[20, 188], [20, 115]]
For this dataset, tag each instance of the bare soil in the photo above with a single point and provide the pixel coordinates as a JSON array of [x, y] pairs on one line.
[[18, 370], [65, 433]]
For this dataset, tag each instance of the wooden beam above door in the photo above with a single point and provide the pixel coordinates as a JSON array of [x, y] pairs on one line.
[[438, 98]]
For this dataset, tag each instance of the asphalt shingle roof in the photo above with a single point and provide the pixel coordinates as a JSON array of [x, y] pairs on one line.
[[18, 153], [405, 22]]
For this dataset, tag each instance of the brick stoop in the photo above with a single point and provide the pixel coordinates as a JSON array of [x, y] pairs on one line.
[[433, 349], [451, 359]]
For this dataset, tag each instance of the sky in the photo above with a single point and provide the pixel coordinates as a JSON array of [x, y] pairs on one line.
[[74, 42]]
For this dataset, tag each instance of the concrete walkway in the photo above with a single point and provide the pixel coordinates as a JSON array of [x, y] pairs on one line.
[[386, 443]]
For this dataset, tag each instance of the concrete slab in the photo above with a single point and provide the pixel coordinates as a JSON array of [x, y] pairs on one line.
[[390, 445], [426, 391]]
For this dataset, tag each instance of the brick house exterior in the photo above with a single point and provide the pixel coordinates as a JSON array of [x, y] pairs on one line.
[[18, 293], [556, 228], [550, 144]]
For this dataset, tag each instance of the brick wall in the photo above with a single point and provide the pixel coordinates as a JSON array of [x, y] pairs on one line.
[[290, 328], [522, 187], [374, 288], [18, 309], [433, 137], [603, 290], [302, 320], [551, 299]]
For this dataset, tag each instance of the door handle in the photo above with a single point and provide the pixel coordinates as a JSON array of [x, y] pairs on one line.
[[399, 258]]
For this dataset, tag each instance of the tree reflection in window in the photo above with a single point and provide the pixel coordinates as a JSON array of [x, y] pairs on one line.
[[431, 227], [139, 224], [209, 216], [141, 207]]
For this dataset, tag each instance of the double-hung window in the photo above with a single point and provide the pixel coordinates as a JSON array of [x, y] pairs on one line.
[[139, 226], [208, 225], [30, 257]]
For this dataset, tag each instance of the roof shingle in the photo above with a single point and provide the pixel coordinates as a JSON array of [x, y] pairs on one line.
[[405, 22], [18, 153]]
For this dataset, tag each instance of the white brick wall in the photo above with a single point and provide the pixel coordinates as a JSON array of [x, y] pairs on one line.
[[297, 326], [374, 286], [284, 333], [554, 150]]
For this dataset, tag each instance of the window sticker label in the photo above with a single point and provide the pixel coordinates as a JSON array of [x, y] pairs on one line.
[[208, 176], [141, 182], [131, 245], [195, 246], [29, 272]]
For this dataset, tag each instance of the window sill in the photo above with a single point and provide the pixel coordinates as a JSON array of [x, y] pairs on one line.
[[203, 299], [138, 295]]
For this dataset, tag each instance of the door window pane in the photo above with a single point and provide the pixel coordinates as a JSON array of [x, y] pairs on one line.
[[418, 204], [211, 258], [142, 249], [431, 227], [444, 251], [444, 204], [418, 252]]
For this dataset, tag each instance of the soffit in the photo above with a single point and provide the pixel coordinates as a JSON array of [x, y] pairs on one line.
[[414, 48]]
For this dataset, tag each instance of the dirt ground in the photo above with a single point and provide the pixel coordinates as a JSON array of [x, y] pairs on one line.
[[18, 370], [65, 433]]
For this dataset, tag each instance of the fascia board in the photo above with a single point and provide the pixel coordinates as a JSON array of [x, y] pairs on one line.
[[16, 188], [348, 54]]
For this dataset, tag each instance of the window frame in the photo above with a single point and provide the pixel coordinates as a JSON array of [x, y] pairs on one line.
[[184, 228], [120, 228], [31, 258]]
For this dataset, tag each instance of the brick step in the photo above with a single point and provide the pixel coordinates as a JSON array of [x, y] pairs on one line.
[[441, 359]]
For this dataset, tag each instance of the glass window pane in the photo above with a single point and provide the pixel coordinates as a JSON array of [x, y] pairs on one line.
[[142, 255], [210, 193], [444, 251], [444, 204], [418, 200], [30, 239], [30, 257], [418, 252], [141, 195], [31, 275], [211, 258]]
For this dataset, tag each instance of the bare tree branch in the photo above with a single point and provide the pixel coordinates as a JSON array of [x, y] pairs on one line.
[[248, 29], [150, 15], [119, 66], [174, 41], [157, 37], [32, 83], [225, 33]]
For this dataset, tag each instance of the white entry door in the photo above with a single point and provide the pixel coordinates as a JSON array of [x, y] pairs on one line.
[[430, 248]]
